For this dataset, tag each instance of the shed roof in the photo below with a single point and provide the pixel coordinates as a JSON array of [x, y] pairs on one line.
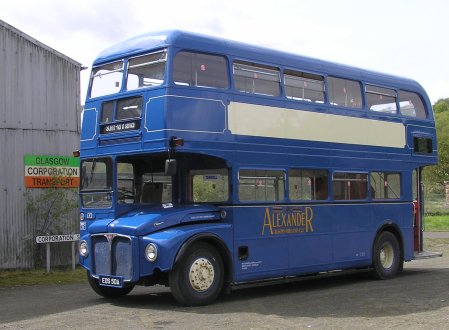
[[36, 42]]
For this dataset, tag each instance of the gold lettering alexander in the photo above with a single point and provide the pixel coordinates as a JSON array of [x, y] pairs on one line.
[[267, 222], [287, 221]]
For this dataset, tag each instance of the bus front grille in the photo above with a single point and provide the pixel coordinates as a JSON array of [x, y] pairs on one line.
[[112, 255]]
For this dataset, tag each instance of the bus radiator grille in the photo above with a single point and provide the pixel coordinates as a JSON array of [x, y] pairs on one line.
[[112, 257]]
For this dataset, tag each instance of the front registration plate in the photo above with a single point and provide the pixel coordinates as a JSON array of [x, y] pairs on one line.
[[113, 281]]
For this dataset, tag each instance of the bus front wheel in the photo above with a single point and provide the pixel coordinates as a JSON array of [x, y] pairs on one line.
[[386, 256], [198, 278], [108, 292]]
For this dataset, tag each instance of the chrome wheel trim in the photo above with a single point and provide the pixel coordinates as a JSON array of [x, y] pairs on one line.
[[201, 274], [386, 256]]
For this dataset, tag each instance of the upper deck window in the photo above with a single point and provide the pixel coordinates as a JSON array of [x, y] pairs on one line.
[[256, 78], [106, 79], [380, 99], [200, 70], [344, 93], [411, 105], [146, 71], [304, 86]]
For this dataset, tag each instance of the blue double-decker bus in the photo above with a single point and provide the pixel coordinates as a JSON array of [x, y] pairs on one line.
[[207, 164]]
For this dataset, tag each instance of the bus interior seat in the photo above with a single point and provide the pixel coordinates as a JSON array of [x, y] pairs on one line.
[[152, 192]]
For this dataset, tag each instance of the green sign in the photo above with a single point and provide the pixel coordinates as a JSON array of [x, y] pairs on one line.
[[51, 171]]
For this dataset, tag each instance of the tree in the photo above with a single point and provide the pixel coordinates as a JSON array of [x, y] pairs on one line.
[[50, 209], [437, 175]]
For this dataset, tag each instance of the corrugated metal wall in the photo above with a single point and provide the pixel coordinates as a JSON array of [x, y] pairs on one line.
[[39, 114]]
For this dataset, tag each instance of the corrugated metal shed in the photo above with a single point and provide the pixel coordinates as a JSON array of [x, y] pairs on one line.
[[39, 114]]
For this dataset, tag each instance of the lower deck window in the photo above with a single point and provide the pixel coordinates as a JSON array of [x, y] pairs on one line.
[[349, 186], [385, 185], [261, 185], [209, 186], [307, 184]]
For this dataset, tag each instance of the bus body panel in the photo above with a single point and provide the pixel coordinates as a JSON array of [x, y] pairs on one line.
[[171, 240], [224, 132]]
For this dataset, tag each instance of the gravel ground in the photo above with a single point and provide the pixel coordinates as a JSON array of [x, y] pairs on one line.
[[417, 299]]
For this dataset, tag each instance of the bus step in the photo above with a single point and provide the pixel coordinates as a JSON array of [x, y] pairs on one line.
[[427, 255]]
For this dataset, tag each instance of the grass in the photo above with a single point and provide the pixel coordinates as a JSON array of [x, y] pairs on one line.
[[436, 222], [436, 216], [13, 278]]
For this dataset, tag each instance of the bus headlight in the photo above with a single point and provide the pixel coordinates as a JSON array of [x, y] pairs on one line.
[[151, 252], [84, 250]]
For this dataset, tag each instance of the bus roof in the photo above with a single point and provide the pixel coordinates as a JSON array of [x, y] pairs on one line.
[[187, 40]]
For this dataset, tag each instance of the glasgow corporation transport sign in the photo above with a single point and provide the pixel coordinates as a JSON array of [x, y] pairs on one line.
[[51, 172]]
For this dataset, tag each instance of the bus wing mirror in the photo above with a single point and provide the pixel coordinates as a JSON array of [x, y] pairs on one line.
[[170, 167]]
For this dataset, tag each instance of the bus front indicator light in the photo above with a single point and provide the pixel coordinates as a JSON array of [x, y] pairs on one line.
[[151, 252]]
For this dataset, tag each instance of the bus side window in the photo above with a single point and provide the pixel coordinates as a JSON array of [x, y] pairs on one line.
[[385, 185], [304, 86], [350, 186], [209, 185], [380, 99], [261, 185], [257, 79], [200, 70], [344, 93], [411, 105], [308, 184]]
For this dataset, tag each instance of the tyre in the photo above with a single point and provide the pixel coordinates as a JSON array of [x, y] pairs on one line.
[[108, 292], [198, 278], [387, 261]]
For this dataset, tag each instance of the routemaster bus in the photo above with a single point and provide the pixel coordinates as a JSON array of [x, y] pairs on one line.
[[208, 164]]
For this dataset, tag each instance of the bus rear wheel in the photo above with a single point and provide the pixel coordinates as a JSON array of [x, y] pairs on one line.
[[107, 292], [198, 278], [386, 256]]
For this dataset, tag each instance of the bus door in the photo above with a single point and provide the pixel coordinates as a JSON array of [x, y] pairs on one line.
[[261, 247], [418, 210], [418, 215]]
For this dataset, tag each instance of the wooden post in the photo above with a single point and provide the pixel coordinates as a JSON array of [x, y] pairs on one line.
[[73, 255], [48, 257]]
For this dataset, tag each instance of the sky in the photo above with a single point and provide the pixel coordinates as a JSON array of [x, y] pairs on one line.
[[401, 37]]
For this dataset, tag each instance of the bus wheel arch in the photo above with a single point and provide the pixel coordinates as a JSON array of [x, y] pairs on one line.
[[387, 252], [201, 270]]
